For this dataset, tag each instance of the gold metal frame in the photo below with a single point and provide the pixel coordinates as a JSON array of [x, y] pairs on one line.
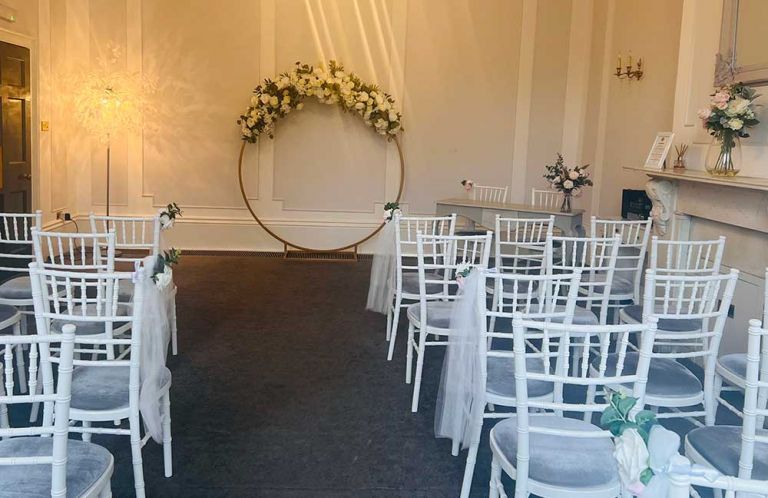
[[286, 243]]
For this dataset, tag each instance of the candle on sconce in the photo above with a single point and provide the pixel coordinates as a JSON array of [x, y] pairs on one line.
[[618, 61], [630, 60]]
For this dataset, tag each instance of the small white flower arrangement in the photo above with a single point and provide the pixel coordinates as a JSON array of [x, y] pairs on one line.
[[462, 272], [468, 184], [162, 273], [391, 209], [330, 84], [168, 216], [631, 441]]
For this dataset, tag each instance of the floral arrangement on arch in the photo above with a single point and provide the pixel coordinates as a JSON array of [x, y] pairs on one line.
[[569, 181], [730, 112], [330, 84]]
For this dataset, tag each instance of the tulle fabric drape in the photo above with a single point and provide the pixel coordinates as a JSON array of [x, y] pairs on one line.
[[382, 284], [460, 382], [157, 324]]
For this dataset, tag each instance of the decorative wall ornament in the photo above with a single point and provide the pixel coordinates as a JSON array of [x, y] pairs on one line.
[[662, 194], [331, 84]]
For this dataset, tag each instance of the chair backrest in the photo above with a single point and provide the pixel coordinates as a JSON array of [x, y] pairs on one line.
[[16, 239], [86, 298], [698, 298], [455, 252], [681, 480], [546, 198], [54, 400], [520, 244], [407, 229], [590, 346], [486, 193], [596, 258], [132, 234], [686, 257], [74, 251], [634, 244]]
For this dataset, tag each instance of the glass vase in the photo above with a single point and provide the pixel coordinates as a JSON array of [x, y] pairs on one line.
[[565, 207], [724, 156]]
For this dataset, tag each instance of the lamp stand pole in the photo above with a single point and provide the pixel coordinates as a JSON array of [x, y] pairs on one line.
[[108, 172]]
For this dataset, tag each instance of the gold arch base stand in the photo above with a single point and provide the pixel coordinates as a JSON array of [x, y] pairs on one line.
[[295, 251]]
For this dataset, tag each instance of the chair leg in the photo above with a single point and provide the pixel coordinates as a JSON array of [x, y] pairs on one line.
[[4, 421], [86, 435], [409, 353], [474, 445], [20, 358], [591, 395], [389, 323], [718, 391], [496, 490], [710, 401], [138, 469], [167, 454], [395, 323], [419, 369], [174, 331], [762, 403]]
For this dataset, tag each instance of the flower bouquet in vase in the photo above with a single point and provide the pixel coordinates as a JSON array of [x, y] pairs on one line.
[[727, 118], [570, 182]]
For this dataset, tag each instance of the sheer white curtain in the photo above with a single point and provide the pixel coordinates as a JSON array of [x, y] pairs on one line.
[[382, 284], [156, 325]]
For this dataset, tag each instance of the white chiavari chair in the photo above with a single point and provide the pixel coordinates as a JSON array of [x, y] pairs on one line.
[[732, 368], [682, 477], [486, 193], [74, 251], [630, 260], [686, 257], [104, 390], [733, 450], [137, 236], [546, 198], [549, 454], [406, 273], [41, 460], [15, 254], [432, 313], [699, 299], [537, 297], [596, 258]]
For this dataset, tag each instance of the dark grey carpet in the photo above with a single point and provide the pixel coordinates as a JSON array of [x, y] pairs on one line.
[[282, 389]]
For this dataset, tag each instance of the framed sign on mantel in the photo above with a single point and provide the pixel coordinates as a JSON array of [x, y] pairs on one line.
[[659, 151]]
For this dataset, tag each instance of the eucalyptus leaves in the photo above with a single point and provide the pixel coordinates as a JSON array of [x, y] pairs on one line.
[[390, 210], [330, 84]]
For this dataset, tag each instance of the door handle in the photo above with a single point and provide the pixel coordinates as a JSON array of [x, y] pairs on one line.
[[25, 176]]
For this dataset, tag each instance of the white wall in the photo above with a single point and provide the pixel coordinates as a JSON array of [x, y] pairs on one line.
[[490, 90]]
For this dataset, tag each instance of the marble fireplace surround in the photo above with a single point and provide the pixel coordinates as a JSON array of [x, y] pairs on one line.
[[695, 206]]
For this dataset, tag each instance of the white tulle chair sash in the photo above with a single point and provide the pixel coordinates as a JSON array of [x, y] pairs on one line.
[[157, 326], [382, 284]]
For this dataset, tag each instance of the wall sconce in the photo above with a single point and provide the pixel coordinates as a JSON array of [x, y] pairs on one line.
[[629, 72]]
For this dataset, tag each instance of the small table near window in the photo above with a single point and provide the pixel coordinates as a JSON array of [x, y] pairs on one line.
[[484, 213]]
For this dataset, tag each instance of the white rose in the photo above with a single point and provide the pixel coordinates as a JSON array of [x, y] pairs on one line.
[[392, 116], [265, 98], [254, 101], [273, 101], [163, 280], [359, 105], [631, 455], [247, 132], [362, 97], [573, 175], [737, 106], [287, 99], [284, 82], [735, 124], [568, 185]]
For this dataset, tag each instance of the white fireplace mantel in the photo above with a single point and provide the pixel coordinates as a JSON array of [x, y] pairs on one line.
[[737, 201]]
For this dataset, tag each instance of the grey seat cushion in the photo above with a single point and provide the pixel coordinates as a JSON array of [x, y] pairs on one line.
[[720, 445], [86, 463], [16, 288], [438, 314], [411, 283], [635, 312], [501, 378], [620, 285], [736, 363], [561, 460], [103, 388], [87, 328], [666, 377], [508, 287], [581, 316]]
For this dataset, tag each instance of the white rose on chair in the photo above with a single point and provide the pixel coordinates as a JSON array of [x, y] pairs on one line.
[[632, 457], [164, 279], [166, 221], [168, 216]]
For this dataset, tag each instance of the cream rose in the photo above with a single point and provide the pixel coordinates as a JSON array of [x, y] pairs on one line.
[[735, 124], [568, 185], [632, 457], [573, 175]]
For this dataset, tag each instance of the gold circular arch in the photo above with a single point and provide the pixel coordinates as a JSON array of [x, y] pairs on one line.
[[287, 243]]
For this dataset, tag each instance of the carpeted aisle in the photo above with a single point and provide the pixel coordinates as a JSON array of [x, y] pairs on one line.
[[282, 389]]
